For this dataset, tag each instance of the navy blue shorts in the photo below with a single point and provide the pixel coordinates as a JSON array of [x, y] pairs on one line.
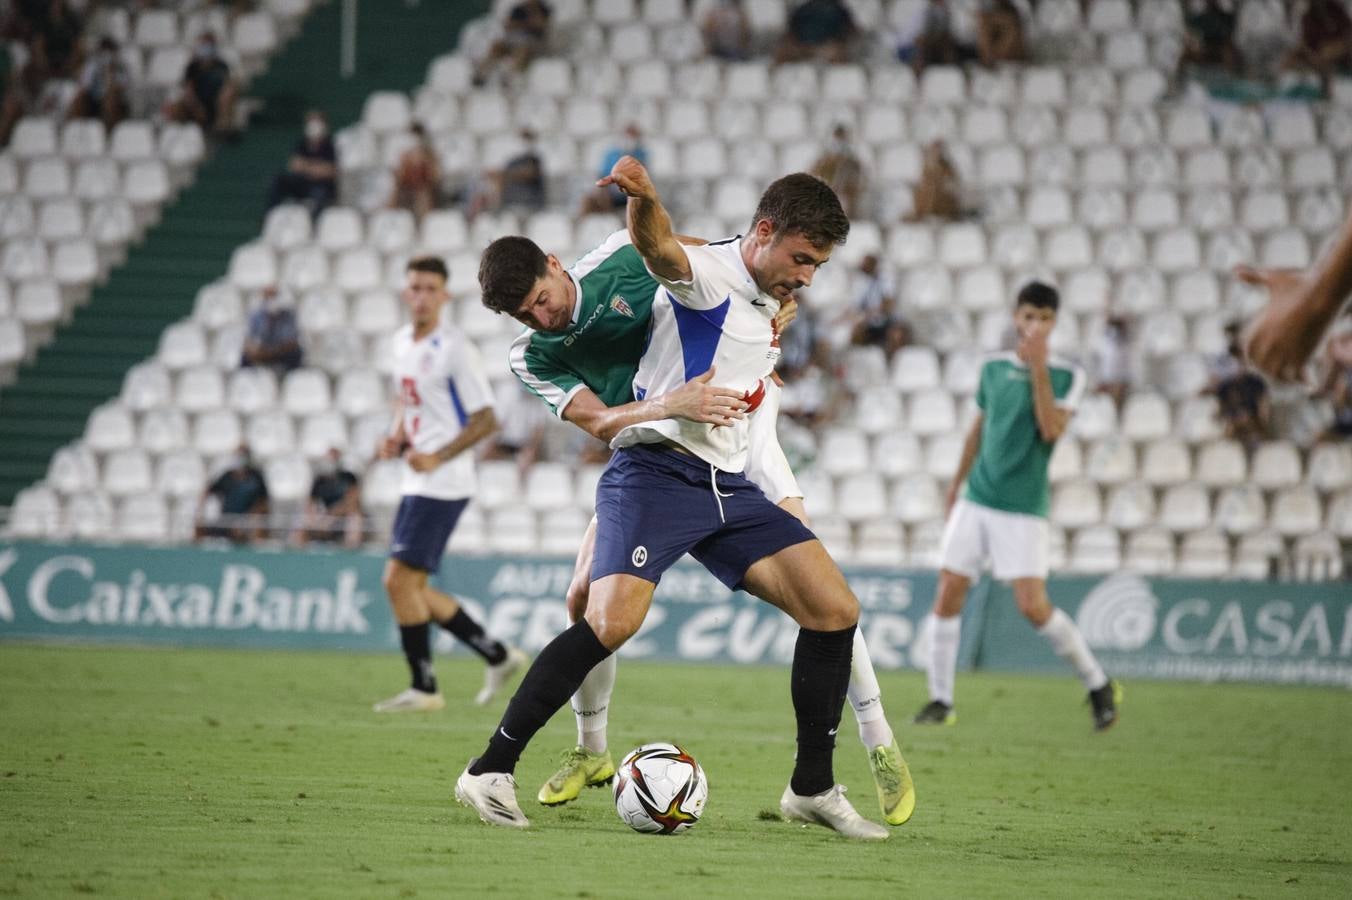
[[422, 526], [654, 504]]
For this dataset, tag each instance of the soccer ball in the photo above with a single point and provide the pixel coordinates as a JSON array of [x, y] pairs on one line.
[[660, 789]]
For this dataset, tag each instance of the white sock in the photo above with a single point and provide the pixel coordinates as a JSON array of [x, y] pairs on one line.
[[866, 698], [1064, 636], [591, 705], [943, 660]]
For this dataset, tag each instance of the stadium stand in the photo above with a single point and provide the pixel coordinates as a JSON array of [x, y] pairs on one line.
[[1084, 169]]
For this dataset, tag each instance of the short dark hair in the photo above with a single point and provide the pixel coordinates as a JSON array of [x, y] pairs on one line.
[[1040, 295], [433, 264], [804, 204], [508, 269]]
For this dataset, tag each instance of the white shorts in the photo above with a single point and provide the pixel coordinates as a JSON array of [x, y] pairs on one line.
[[766, 466], [1016, 544]]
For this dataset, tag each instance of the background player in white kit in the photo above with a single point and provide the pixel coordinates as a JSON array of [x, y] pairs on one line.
[[443, 408]]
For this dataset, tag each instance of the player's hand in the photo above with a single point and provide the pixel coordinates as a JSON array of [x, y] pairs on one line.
[[698, 400], [774, 376], [389, 448], [788, 311], [422, 462], [1281, 339], [1033, 349], [629, 175], [950, 498]]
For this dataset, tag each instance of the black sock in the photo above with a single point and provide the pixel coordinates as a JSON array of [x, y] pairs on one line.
[[821, 675], [472, 633], [417, 644], [550, 681]]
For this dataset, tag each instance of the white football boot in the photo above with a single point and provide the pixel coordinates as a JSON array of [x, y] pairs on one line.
[[411, 700], [831, 809], [493, 796]]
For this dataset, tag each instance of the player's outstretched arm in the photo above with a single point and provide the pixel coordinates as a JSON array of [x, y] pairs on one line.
[[649, 224], [698, 400], [1282, 339]]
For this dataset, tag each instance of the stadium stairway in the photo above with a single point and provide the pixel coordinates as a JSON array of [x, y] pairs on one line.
[[53, 395]]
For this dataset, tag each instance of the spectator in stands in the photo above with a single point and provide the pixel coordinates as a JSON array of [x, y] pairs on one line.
[[43, 47], [417, 178], [727, 32], [333, 511], [519, 183], [1241, 393], [1337, 386], [875, 320], [999, 33], [819, 31], [610, 198], [936, 194], [1209, 41], [1325, 42], [840, 167], [273, 340], [208, 93], [311, 174], [813, 395], [1112, 360], [55, 43], [928, 40], [104, 83], [235, 506], [525, 35]]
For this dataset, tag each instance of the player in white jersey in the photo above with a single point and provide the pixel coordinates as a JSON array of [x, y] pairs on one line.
[[674, 487], [443, 408]]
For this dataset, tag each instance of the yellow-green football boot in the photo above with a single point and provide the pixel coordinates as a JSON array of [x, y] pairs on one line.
[[578, 768], [896, 791]]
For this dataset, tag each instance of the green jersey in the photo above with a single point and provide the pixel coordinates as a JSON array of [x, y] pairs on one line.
[[602, 347], [1010, 472]]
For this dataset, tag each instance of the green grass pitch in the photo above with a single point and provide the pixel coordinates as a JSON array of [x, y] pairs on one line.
[[208, 773]]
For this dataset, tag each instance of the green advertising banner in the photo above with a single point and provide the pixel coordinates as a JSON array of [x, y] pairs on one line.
[[1139, 627], [193, 596], [1189, 630]]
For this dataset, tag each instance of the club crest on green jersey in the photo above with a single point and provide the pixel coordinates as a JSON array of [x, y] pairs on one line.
[[621, 306]]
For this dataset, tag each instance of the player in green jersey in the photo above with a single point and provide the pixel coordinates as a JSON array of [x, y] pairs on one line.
[[1024, 399]]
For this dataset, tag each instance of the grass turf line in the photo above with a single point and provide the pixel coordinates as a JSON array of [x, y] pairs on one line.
[[194, 773]]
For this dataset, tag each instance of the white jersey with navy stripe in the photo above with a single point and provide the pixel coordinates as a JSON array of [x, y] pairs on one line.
[[718, 319], [441, 381]]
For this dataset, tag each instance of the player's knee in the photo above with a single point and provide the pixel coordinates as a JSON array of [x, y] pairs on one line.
[[612, 628]]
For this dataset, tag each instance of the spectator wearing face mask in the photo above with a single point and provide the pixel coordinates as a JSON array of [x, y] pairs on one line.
[[235, 506], [104, 83], [333, 511], [273, 339], [208, 92], [610, 198], [311, 174]]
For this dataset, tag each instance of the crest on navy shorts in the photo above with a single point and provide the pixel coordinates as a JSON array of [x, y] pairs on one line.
[[621, 306]]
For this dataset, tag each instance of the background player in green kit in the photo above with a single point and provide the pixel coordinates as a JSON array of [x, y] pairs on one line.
[[1025, 400]]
